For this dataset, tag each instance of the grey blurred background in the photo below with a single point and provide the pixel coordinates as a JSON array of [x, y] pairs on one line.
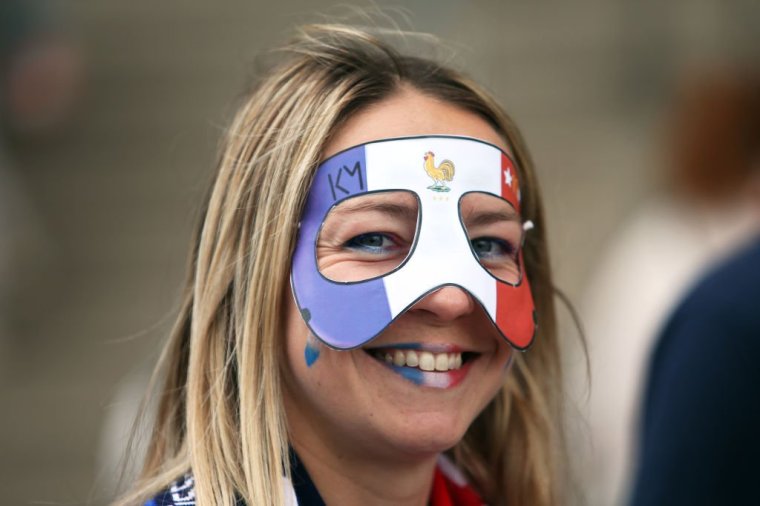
[[110, 123]]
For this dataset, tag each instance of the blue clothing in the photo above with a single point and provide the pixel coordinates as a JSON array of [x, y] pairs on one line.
[[182, 491], [701, 422]]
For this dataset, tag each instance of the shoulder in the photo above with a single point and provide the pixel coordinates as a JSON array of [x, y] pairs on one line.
[[701, 409], [704, 364], [179, 493], [722, 306], [730, 283]]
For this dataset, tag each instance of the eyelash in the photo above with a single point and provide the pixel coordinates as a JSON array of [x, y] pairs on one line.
[[507, 248], [354, 243]]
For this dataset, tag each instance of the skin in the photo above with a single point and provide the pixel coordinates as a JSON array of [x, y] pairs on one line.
[[365, 434]]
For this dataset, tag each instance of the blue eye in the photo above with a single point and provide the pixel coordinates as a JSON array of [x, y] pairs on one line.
[[373, 242], [492, 249]]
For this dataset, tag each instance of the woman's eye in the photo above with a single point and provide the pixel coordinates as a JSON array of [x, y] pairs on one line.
[[373, 242], [489, 248]]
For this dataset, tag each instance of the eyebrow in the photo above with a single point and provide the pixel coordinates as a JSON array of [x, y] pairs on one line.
[[395, 210], [475, 218]]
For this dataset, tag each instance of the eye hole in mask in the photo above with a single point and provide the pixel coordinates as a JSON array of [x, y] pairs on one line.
[[495, 233], [368, 236], [373, 234]]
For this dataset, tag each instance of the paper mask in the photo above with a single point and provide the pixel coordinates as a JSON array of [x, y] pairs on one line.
[[388, 222]]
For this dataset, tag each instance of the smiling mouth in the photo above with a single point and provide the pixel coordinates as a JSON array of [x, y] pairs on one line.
[[423, 360]]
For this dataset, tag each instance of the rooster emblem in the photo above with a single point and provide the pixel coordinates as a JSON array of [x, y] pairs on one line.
[[444, 172]]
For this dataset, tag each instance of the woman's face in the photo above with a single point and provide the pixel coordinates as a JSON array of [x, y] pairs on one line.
[[353, 401]]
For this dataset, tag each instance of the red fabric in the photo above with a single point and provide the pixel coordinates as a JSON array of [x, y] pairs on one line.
[[447, 493]]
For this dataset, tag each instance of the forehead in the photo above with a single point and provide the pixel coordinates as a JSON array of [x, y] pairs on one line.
[[411, 113]]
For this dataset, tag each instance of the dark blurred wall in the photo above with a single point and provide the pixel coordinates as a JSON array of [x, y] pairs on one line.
[[115, 193]]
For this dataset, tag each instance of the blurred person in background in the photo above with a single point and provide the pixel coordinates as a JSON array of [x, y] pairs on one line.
[[701, 409], [708, 211], [41, 77], [42, 68], [254, 408]]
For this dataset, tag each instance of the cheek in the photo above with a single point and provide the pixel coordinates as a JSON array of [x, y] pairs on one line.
[[300, 344], [499, 371], [504, 356], [311, 351], [318, 381], [307, 360], [509, 358]]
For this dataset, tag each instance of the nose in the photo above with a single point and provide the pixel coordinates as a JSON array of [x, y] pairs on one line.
[[447, 303]]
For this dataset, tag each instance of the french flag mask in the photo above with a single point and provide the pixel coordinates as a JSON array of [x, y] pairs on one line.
[[388, 222]]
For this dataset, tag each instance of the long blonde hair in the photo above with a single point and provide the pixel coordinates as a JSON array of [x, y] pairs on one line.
[[220, 411]]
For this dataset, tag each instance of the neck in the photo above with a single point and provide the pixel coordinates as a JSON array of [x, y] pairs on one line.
[[349, 479]]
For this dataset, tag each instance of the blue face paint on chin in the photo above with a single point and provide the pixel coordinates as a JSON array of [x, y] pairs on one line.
[[311, 350]]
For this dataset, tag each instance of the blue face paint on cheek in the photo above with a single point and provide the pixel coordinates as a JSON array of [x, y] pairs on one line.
[[311, 350]]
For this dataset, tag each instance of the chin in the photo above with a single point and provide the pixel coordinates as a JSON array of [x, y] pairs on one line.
[[428, 435]]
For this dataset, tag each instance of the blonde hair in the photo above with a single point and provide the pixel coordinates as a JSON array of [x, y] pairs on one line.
[[220, 412]]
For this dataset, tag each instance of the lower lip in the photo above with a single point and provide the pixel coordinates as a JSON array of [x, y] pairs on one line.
[[432, 379]]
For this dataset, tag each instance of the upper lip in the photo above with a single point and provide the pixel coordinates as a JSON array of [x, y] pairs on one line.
[[430, 347]]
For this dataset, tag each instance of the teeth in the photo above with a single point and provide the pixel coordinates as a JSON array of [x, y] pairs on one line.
[[442, 362], [425, 360]]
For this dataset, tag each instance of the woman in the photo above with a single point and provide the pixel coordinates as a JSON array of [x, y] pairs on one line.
[[337, 342]]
